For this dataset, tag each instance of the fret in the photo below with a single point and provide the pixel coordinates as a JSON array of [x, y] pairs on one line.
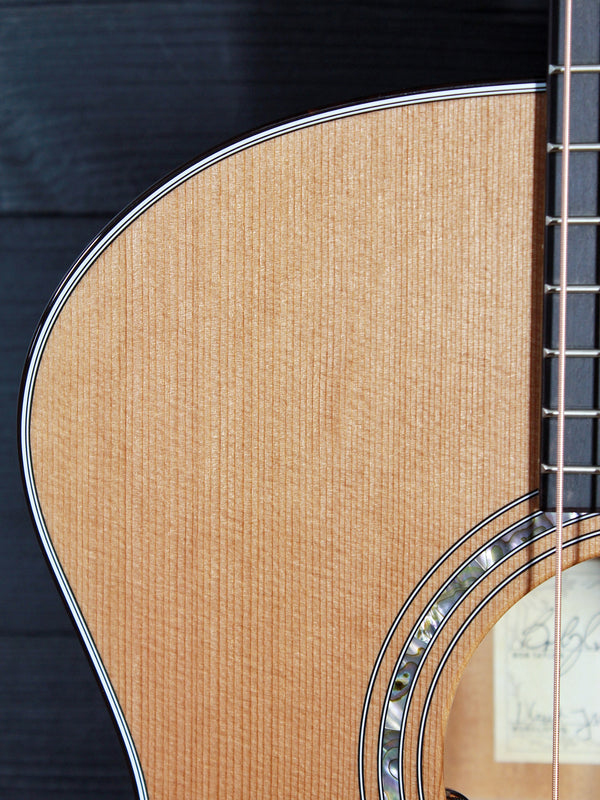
[[582, 288], [558, 69], [551, 352], [574, 469], [581, 147], [551, 220], [572, 413]]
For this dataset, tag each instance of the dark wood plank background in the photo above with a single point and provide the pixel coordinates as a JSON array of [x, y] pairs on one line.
[[98, 101]]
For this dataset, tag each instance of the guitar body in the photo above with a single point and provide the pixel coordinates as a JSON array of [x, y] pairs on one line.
[[280, 439]]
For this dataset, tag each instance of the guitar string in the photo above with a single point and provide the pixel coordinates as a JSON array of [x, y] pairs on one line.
[[560, 439]]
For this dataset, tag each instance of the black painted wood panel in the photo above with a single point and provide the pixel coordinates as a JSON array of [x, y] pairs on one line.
[[103, 99], [97, 101]]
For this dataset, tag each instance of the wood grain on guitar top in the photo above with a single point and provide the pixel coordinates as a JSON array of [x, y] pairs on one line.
[[273, 402]]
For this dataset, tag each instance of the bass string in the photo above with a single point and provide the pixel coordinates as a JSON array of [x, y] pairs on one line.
[[560, 449]]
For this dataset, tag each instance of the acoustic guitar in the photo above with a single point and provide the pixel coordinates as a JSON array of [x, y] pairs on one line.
[[283, 428]]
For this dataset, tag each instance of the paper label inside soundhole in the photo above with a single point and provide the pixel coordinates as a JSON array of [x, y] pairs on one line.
[[523, 658]]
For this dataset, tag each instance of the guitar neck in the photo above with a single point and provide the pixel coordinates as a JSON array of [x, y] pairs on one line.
[[582, 376]]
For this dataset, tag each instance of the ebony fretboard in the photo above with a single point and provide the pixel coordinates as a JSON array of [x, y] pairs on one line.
[[582, 417]]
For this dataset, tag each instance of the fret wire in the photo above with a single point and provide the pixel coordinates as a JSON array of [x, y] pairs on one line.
[[579, 147], [553, 352], [573, 288], [573, 413], [550, 220], [558, 69], [571, 469]]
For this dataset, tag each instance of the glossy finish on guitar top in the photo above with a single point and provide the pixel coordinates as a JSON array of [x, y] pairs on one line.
[[292, 389]]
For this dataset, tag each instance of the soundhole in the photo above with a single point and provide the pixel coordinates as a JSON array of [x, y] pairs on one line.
[[498, 737]]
